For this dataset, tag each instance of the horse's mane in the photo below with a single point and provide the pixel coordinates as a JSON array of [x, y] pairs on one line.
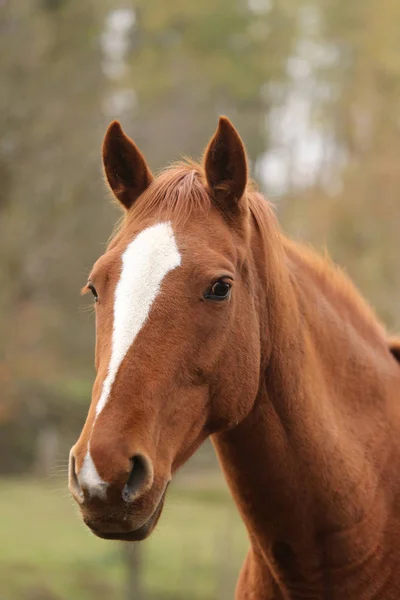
[[338, 287], [179, 190]]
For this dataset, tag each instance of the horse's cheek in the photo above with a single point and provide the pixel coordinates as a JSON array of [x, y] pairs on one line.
[[238, 384]]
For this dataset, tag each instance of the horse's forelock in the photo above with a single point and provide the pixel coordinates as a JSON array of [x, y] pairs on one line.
[[177, 192]]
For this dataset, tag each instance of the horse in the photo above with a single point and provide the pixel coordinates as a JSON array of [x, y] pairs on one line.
[[210, 322]]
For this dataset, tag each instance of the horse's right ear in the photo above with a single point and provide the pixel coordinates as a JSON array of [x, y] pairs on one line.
[[125, 167]]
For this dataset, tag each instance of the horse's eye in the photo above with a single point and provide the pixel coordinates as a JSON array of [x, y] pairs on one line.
[[93, 290], [220, 290]]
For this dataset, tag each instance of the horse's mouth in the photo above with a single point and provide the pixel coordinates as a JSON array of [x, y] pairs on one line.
[[136, 535]]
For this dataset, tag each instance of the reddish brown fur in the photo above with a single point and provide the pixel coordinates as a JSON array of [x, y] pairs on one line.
[[293, 378]]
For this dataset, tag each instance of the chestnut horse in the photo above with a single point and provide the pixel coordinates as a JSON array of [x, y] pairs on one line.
[[210, 322]]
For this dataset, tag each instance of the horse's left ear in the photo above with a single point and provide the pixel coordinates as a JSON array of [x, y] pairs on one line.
[[226, 166], [125, 166]]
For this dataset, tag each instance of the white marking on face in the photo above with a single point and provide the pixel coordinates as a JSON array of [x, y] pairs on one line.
[[89, 478], [145, 263]]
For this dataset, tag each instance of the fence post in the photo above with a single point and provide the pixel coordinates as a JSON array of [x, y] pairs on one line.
[[133, 559]]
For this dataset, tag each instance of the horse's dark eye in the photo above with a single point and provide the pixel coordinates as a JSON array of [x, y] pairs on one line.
[[220, 290], [93, 290]]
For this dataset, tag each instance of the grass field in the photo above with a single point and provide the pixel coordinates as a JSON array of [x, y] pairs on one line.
[[46, 553]]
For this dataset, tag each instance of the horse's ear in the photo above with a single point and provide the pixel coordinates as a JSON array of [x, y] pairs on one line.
[[226, 166], [125, 167]]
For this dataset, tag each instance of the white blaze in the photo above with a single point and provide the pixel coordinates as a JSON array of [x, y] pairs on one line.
[[145, 263], [89, 477]]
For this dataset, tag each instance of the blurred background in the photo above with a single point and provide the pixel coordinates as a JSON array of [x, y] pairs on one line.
[[313, 87]]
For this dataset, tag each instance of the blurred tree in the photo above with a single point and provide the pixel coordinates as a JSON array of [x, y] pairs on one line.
[[50, 81], [356, 214], [191, 62], [367, 126]]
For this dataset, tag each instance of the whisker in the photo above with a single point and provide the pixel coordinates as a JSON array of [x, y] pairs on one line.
[[88, 308], [56, 473], [58, 490]]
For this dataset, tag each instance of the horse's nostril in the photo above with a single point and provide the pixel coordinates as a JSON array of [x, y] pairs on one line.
[[140, 478]]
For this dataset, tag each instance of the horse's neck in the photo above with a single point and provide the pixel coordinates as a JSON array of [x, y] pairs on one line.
[[302, 465]]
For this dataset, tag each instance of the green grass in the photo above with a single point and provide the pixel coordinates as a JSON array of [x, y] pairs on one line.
[[46, 553]]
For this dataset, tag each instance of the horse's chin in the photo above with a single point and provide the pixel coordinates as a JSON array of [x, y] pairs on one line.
[[134, 535]]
